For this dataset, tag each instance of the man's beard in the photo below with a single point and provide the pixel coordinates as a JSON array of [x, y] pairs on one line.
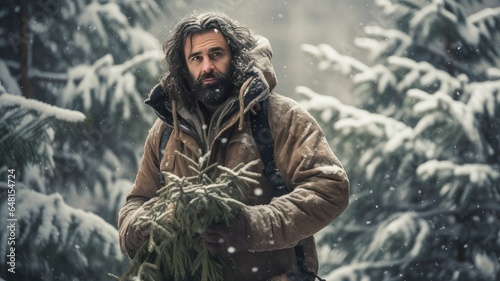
[[213, 94]]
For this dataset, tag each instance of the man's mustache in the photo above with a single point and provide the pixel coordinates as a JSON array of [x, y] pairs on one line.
[[216, 75]]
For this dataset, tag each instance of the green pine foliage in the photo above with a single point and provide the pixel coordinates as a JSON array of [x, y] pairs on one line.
[[73, 75], [421, 147], [184, 207]]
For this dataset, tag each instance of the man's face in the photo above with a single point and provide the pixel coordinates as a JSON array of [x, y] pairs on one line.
[[208, 59]]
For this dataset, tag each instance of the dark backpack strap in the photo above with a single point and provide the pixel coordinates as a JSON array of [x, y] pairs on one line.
[[301, 261], [265, 144], [163, 144]]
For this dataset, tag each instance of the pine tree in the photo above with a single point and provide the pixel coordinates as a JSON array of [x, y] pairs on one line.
[[67, 58], [422, 149], [184, 207]]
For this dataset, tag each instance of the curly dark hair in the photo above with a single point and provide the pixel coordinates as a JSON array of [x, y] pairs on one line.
[[175, 81]]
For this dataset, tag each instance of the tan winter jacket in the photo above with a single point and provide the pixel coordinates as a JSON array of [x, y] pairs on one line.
[[317, 183]]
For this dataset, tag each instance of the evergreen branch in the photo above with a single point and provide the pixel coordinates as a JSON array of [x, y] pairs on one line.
[[229, 200], [182, 208], [191, 162], [49, 223]]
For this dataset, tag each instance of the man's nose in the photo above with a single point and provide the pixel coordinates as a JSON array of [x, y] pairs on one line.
[[208, 66]]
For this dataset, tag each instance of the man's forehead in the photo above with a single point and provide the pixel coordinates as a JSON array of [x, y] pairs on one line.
[[213, 36]]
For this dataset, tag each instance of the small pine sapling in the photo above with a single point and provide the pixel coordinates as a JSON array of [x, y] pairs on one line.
[[184, 207]]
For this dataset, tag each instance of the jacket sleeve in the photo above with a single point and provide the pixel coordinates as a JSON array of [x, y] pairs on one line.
[[145, 186], [318, 182]]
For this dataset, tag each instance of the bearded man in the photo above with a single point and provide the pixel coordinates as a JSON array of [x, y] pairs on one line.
[[218, 75]]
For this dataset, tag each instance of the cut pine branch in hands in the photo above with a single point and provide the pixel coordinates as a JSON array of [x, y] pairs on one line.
[[184, 207]]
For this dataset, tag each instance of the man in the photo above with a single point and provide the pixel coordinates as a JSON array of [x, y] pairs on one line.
[[218, 74]]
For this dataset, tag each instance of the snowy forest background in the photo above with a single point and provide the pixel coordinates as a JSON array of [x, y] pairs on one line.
[[408, 92]]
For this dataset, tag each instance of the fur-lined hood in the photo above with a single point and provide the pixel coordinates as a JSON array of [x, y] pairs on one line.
[[256, 88]]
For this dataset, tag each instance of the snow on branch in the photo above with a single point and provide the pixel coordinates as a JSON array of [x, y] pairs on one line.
[[399, 8], [485, 98], [485, 22], [379, 74], [440, 103], [473, 31], [33, 73], [331, 108], [85, 80], [386, 39], [28, 128], [330, 59], [377, 137], [493, 73], [458, 181], [41, 107], [352, 271], [145, 11], [80, 240], [117, 70], [425, 74], [478, 174], [348, 116], [407, 229], [93, 15], [433, 11]]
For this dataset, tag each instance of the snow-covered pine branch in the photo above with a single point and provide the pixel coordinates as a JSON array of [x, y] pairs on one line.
[[383, 42], [98, 20], [469, 39], [399, 9], [81, 243], [397, 241], [84, 83], [423, 74], [379, 75], [28, 128], [373, 139], [455, 118], [330, 59], [402, 234], [487, 21], [462, 184], [425, 18], [330, 107], [43, 110]]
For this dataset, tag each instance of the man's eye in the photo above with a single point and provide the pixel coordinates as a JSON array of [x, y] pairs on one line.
[[195, 58], [216, 54]]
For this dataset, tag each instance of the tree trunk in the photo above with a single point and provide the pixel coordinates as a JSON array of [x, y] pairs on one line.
[[24, 42]]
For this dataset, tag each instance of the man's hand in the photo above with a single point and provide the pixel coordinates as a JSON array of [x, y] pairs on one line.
[[135, 238], [228, 239]]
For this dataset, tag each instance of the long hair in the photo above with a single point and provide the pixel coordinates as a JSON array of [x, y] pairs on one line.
[[176, 79]]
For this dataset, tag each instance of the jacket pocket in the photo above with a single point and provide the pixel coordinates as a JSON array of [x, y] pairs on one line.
[[168, 162]]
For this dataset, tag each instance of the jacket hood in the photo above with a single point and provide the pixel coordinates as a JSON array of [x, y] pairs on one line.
[[256, 88]]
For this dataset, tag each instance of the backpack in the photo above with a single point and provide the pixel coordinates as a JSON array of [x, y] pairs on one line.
[[262, 136]]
